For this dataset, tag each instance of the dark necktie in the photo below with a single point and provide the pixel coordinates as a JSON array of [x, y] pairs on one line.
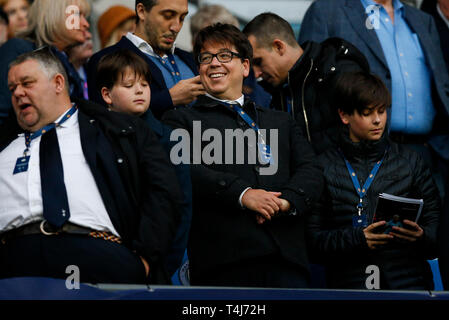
[[54, 194]]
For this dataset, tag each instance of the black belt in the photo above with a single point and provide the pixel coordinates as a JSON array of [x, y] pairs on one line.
[[404, 138], [43, 227]]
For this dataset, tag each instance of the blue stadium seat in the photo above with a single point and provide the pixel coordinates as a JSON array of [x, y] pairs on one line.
[[436, 275]]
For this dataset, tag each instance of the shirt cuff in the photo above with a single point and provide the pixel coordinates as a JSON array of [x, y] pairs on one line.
[[241, 196]]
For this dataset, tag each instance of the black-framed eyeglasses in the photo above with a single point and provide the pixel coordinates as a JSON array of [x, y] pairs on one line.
[[223, 56]]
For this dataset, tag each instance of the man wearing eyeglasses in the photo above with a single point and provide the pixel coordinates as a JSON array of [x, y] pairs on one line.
[[247, 225]]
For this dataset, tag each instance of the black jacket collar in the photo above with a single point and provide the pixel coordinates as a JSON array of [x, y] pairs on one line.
[[363, 150], [117, 123]]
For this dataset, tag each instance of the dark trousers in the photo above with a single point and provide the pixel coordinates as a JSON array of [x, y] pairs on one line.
[[98, 260], [271, 271]]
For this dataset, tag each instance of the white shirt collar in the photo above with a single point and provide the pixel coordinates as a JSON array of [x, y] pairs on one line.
[[240, 100], [69, 122], [442, 15], [145, 46]]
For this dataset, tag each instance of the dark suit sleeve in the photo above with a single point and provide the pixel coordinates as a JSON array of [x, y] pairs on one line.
[[325, 242], [430, 214], [314, 25], [160, 100], [160, 201], [433, 33], [443, 241], [215, 186], [306, 181]]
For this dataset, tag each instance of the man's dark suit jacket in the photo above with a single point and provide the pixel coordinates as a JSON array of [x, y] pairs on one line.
[[346, 19], [179, 246], [140, 191], [160, 96], [443, 241], [222, 232], [442, 27]]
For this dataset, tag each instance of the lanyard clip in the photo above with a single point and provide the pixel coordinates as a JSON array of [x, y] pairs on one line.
[[360, 207]]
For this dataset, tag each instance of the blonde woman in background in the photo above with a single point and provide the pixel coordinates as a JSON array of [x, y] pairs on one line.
[[59, 24]]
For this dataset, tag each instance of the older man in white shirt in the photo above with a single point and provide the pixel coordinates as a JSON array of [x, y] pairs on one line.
[[80, 185]]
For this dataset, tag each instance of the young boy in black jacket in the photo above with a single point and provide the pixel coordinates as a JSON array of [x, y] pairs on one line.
[[124, 84], [341, 234]]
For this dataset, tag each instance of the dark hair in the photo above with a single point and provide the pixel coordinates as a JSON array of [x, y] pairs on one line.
[[360, 90], [112, 66], [268, 26], [148, 4], [4, 17], [223, 34]]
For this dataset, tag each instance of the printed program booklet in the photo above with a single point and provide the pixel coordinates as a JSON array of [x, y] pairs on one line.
[[394, 209]]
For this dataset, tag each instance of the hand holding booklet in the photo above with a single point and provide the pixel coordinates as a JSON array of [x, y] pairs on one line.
[[394, 210]]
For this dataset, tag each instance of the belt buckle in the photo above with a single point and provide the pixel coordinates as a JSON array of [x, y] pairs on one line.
[[43, 231]]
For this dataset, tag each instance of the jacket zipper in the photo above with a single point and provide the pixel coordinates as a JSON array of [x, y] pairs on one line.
[[291, 95], [306, 120]]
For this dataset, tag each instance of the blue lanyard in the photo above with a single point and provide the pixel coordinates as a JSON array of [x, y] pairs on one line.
[[171, 61], [265, 155], [362, 191], [29, 137], [245, 117]]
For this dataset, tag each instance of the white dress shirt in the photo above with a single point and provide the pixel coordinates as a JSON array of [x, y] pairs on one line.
[[21, 193], [239, 101], [144, 46]]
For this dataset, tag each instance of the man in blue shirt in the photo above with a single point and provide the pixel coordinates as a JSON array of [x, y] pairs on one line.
[[175, 81], [402, 47], [413, 111]]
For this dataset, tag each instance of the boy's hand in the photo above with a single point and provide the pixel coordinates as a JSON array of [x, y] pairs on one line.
[[376, 239], [413, 234]]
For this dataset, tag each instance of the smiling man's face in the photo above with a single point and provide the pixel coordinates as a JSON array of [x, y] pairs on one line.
[[223, 80]]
